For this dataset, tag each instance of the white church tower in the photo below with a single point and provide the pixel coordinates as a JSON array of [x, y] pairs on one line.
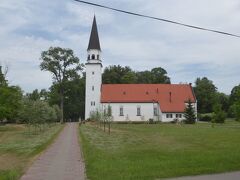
[[93, 72]]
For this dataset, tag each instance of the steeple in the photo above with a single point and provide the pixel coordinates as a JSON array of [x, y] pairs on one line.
[[94, 39], [93, 73]]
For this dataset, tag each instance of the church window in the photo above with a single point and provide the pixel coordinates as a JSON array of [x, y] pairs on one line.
[[98, 56], [92, 88], [93, 73], [93, 103], [169, 115], [88, 57], [93, 56], [121, 111], [138, 111], [178, 115]]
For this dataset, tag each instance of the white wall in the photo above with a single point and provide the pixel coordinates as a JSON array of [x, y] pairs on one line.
[[130, 111], [147, 110]]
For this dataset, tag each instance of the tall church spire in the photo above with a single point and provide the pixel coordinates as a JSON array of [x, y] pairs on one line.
[[94, 39]]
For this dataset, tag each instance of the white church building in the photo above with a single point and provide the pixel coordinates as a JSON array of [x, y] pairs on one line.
[[132, 102]]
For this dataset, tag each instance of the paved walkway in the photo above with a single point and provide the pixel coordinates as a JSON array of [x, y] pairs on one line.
[[222, 176], [61, 161]]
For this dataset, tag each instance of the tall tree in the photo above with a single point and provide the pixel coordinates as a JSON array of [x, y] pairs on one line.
[[35, 95], [159, 75], [218, 114], [10, 102], [125, 75], [189, 114], [223, 99], [63, 65], [205, 92], [235, 95], [74, 98], [3, 81], [234, 101], [115, 74]]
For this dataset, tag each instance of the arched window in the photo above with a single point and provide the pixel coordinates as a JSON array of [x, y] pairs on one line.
[[98, 56], [88, 57], [93, 56]]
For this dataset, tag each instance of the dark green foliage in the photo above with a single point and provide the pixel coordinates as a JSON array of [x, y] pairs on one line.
[[223, 99], [10, 102], [36, 95], [3, 81], [205, 92], [117, 75], [219, 115], [125, 75], [235, 111], [205, 118], [235, 95], [189, 114], [159, 75], [234, 102], [74, 101]]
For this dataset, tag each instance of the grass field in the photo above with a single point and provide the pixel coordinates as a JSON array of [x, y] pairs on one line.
[[146, 151], [18, 148]]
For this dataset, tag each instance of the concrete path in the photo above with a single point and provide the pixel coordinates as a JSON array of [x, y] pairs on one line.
[[61, 161], [222, 176]]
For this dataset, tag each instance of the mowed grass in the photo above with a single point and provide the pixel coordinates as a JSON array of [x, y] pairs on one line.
[[154, 151], [18, 148]]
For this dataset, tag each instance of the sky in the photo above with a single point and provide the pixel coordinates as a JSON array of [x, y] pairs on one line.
[[28, 27]]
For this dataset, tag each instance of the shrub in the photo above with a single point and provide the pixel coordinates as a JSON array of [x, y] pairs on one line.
[[219, 115], [151, 121], [205, 118]]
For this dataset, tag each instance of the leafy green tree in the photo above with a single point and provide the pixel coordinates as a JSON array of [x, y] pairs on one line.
[[38, 95], [37, 112], [223, 99], [35, 95], [3, 81], [219, 115], [189, 113], [74, 98], [115, 74], [63, 65], [125, 75], [129, 78], [235, 95], [144, 77], [159, 75], [234, 111], [206, 93], [10, 102]]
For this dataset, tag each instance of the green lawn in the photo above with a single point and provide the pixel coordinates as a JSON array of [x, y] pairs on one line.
[[18, 148], [145, 151]]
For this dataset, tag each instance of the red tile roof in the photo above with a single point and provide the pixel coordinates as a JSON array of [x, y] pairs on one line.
[[171, 97]]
